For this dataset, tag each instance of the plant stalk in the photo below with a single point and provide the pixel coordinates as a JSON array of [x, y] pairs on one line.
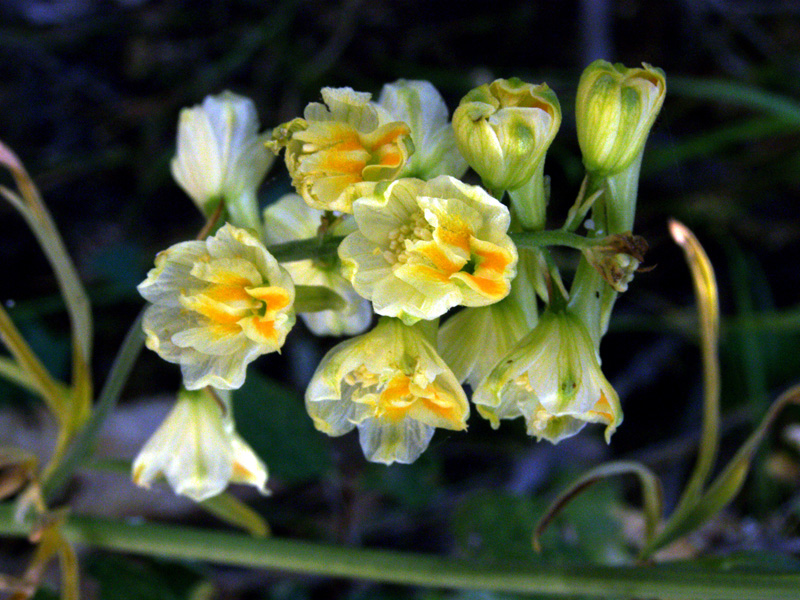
[[183, 543]]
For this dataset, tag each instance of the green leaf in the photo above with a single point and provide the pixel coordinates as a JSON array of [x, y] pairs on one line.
[[728, 482], [235, 512], [652, 496], [273, 420]]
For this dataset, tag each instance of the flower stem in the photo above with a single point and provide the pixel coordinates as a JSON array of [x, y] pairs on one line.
[[173, 542], [556, 237]]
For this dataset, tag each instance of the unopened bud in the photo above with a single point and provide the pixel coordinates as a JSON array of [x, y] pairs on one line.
[[615, 109], [504, 128]]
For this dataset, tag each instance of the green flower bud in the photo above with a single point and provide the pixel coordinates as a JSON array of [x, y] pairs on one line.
[[615, 109], [504, 128]]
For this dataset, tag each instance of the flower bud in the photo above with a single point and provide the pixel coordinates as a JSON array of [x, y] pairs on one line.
[[221, 156], [503, 129], [615, 109]]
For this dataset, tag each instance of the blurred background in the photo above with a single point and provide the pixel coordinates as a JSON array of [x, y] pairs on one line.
[[90, 95]]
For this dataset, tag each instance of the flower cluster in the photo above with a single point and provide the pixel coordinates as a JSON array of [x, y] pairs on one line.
[[382, 222]]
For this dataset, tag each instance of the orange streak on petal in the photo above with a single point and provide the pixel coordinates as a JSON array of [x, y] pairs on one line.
[[276, 298], [264, 328], [390, 135], [341, 162], [493, 288], [227, 293], [428, 273], [491, 259], [440, 260]]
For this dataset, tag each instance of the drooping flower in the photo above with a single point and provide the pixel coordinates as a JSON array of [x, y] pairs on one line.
[[552, 378], [290, 218], [393, 386], [197, 450], [423, 247], [419, 104], [615, 109], [345, 141], [216, 306], [504, 129], [221, 156]]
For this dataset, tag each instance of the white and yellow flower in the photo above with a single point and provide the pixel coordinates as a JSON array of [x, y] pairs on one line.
[[552, 378], [345, 141], [221, 156], [615, 109], [197, 450], [423, 247], [393, 386], [216, 306], [290, 218], [419, 104], [504, 129]]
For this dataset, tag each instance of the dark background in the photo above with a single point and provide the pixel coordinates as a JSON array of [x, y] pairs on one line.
[[89, 97]]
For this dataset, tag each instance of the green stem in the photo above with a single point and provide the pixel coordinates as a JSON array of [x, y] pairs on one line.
[[84, 439], [185, 543], [556, 237], [530, 201]]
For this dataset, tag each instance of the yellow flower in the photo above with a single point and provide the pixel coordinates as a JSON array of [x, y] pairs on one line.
[[504, 129], [291, 219], [216, 306], [420, 105], [424, 247], [221, 156], [393, 386], [615, 109], [343, 142], [198, 451], [553, 379]]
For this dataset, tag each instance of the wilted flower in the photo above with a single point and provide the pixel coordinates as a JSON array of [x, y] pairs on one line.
[[421, 107], [617, 257], [553, 379], [345, 141], [217, 305], [393, 386], [290, 218], [615, 109], [424, 247], [221, 157], [198, 451], [504, 129]]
